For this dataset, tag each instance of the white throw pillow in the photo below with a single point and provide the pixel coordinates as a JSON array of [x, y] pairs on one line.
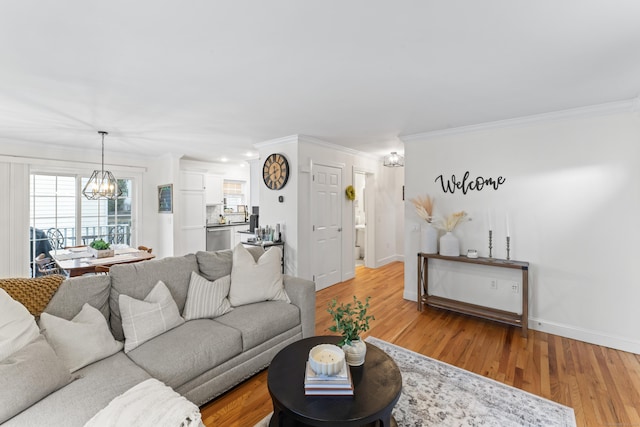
[[255, 281], [17, 326], [28, 375], [207, 299], [81, 341], [144, 320]]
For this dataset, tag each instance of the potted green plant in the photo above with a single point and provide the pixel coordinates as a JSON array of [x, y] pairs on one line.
[[350, 320], [100, 249]]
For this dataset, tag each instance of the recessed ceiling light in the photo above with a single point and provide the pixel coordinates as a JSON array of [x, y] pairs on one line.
[[249, 154], [224, 159]]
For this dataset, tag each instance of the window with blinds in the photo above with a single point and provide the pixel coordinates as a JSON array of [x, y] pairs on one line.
[[233, 188], [234, 197]]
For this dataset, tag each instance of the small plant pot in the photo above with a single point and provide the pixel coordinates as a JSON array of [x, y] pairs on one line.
[[355, 353], [102, 253]]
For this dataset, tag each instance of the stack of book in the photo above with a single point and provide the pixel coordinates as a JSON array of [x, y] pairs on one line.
[[324, 385]]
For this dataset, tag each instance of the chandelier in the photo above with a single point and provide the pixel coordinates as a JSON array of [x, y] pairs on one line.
[[393, 160], [102, 184]]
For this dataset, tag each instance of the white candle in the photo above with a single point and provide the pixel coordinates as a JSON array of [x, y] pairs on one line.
[[326, 356], [490, 219], [508, 232]]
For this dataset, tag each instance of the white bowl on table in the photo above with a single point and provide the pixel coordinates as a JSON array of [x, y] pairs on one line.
[[326, 359]]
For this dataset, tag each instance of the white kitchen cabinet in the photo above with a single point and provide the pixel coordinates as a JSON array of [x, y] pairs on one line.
[[191, 213], [191, 180], [214, 193], [237, 237]]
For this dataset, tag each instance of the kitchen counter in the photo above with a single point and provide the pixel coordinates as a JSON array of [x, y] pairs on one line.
[[233, 224]]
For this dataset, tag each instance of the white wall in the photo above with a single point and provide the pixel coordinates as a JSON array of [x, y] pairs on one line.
[[159, 232], [14, 190], [389, 215], [272, 211], [572, 193]]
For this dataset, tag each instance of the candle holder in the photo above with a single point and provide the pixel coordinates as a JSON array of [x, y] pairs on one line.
[[508, 248], [490, 243]]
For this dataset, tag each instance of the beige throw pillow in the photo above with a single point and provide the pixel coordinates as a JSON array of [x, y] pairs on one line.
[[82, 340], [144, 320], [17, 326], [206, 299], [28, 375], [255, 281]]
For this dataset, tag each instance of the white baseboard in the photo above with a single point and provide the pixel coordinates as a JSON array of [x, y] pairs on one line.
[[410, 295], [348, 275], [589, 336], [567, 331], [389, 260]]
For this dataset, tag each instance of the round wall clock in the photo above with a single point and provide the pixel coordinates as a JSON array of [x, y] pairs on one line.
[[275, 171]]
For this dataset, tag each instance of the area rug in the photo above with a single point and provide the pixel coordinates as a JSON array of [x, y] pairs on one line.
[[438, 394]]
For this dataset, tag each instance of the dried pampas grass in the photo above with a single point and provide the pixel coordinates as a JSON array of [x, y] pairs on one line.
[[452, 221], [424, 207]]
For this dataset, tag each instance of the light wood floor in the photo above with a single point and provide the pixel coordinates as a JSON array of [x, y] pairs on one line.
[[601, 384]]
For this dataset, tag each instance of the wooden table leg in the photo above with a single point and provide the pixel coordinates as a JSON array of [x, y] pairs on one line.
[[525, 302], [419, 289]]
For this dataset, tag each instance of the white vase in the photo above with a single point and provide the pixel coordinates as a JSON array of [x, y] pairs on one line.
[[449, 245], [355, 353], [429, 239]]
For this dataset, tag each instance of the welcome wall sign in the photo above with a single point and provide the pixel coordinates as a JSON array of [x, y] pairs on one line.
[[467, 184]]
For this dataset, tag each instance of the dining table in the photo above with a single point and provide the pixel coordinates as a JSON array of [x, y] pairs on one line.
[[77, 261]]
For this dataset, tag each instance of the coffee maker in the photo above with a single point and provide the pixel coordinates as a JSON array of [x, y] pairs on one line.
[[253, 218]]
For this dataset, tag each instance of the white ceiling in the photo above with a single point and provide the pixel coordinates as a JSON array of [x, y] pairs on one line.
[[207, 78]]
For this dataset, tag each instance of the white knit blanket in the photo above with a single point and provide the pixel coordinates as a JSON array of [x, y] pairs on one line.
[[148, 404]]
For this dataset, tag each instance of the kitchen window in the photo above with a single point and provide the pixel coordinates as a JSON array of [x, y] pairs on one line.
[[234, 196]]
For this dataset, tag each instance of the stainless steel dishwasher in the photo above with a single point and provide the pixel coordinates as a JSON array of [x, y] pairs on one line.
[[218, 238]]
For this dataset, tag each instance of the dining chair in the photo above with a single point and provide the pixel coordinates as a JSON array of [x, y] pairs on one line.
[[46, 266], [56, 239], [144, 248], [117, 234]]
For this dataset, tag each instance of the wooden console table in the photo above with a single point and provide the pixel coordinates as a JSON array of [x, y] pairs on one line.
[[507, 317]]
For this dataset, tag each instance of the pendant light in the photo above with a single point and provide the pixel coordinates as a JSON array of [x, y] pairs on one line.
[[102, 184], [393, 160]]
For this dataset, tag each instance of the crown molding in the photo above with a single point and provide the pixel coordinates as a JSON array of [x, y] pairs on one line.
[[277, 141], [57, 163], [329, 145], [315, 141], [630, 105]]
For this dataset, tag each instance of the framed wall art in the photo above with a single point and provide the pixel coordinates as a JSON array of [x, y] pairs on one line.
[[165, 198]]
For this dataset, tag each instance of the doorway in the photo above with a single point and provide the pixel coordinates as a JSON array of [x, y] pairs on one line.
[[360, 218], [363, 211]]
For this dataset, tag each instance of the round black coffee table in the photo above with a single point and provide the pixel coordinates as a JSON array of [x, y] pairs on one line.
[[377, 385]]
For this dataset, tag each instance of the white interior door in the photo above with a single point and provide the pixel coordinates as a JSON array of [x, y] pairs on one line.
[[193, 222], [192, 213], [327, 226]]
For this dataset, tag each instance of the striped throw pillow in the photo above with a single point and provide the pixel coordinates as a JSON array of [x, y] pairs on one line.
[[144, 320], [206, 299]]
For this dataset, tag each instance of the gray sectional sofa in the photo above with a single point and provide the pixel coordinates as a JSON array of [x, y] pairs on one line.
[[199, 359]]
